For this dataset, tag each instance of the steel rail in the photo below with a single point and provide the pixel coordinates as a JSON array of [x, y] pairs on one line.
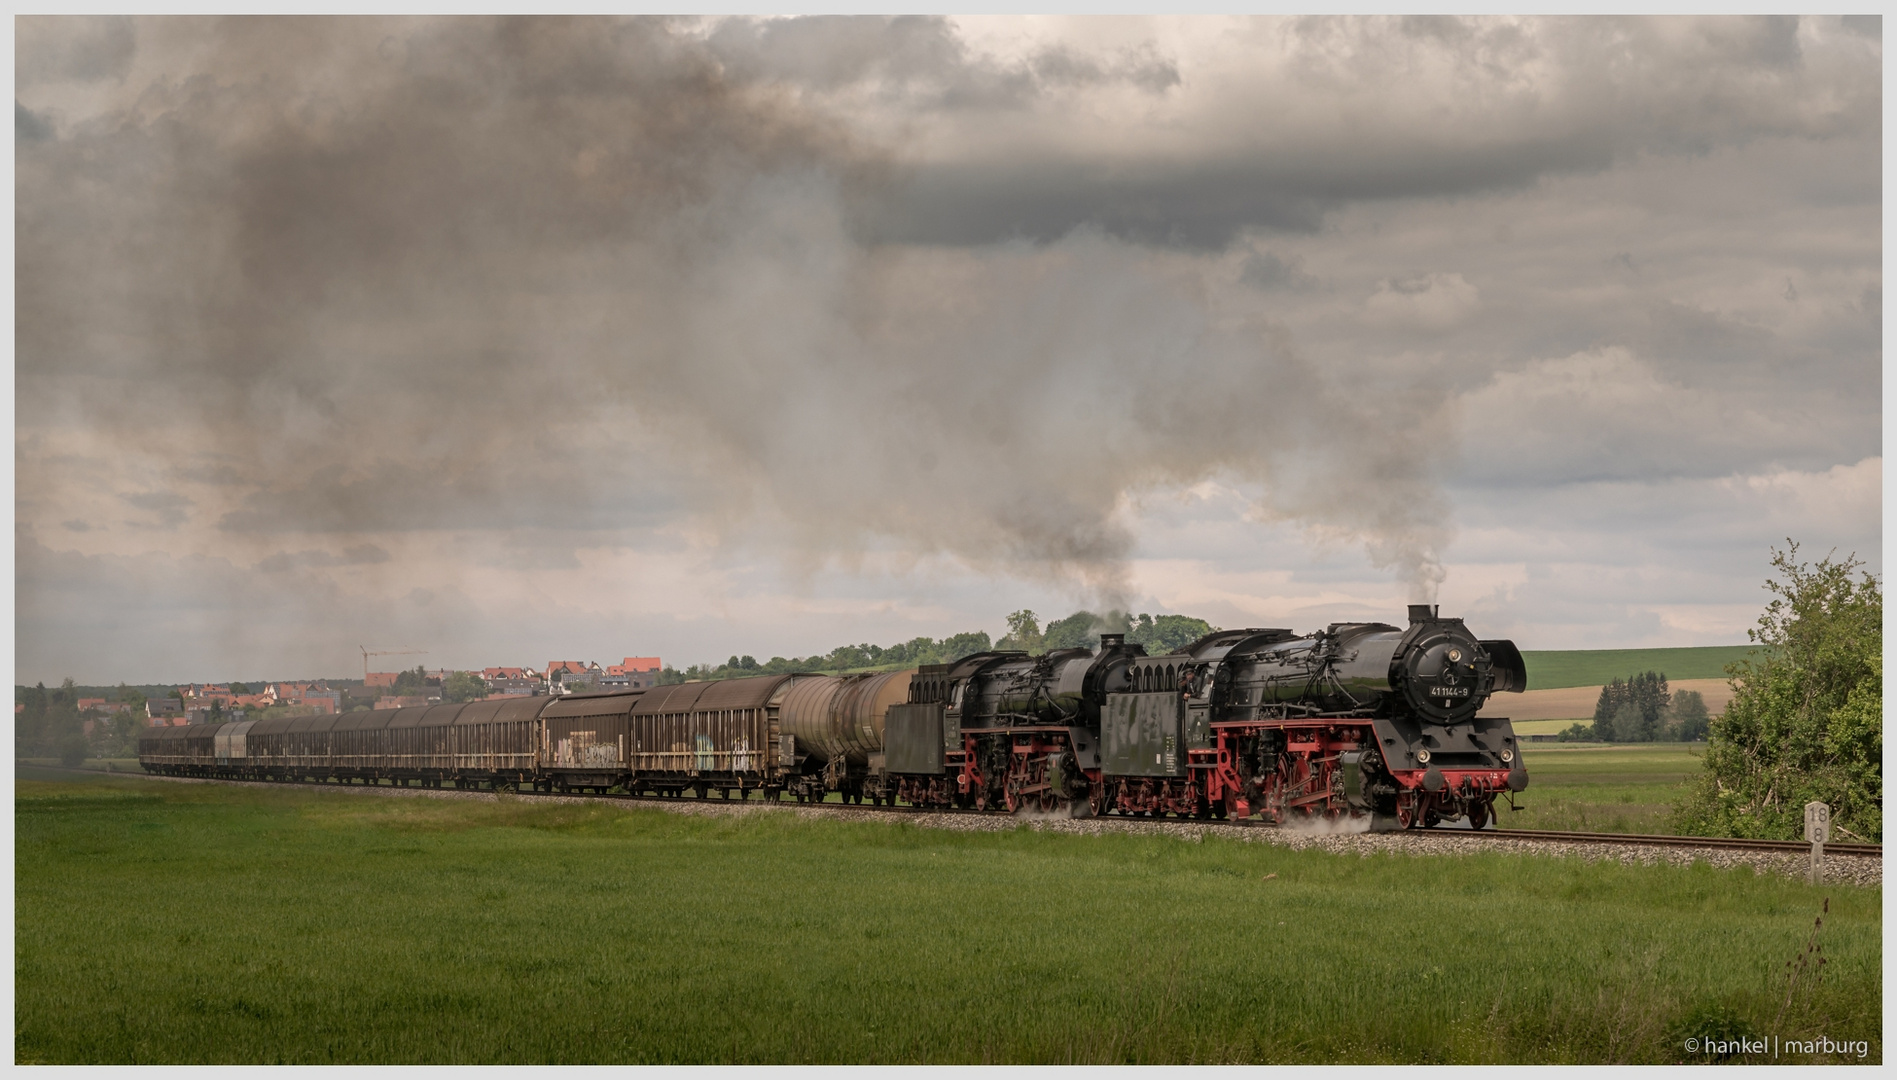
[[1731, 843], [1626, 839]]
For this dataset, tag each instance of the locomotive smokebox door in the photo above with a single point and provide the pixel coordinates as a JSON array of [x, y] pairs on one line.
[[912, 738], [1140, 735]]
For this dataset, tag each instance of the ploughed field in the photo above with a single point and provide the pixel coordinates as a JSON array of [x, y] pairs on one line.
[[170, 922]]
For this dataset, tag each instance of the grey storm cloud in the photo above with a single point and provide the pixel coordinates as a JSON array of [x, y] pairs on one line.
[[1381, 109], [171, 508], [357, 555], [922, 60], [83, 49]]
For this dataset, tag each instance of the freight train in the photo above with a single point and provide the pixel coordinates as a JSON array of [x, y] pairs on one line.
[[1361, 721]]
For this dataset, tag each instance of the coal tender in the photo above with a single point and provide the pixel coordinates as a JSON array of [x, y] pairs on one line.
[[1362, 722]]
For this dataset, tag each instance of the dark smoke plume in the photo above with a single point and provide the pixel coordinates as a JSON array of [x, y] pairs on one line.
[[384, 269]]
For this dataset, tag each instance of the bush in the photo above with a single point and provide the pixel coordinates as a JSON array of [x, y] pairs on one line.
[[1806, 719], [72, 750]]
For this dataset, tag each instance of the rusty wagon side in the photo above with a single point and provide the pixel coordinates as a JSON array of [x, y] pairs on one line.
[[708, 736], [586, 741]]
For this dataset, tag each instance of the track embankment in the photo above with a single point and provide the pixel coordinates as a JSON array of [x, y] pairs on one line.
[[1855, 864]]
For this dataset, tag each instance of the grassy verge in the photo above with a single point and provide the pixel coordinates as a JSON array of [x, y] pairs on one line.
[[196, 923]]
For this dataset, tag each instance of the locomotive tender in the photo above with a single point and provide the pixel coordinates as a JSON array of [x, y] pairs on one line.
[[1359, 720]]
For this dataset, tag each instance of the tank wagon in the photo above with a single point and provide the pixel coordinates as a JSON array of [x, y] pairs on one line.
[[1359, 720]]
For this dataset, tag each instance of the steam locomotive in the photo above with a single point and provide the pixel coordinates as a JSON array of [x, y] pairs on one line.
[[1357, 721]]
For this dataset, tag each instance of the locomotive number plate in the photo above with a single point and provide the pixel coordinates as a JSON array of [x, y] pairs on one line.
[[1449, 691]]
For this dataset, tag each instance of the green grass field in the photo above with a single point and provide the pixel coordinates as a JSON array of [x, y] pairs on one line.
[[160, 922], [1553, 670], [1603, 787]]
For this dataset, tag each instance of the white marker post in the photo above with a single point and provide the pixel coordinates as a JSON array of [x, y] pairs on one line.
[[1817, 830]]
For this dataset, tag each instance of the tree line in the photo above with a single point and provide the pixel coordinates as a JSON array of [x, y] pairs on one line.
[[1159, 634], [1642, 709], [49, 724]]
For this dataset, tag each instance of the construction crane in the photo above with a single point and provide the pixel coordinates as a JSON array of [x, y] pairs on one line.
[[368, 652]]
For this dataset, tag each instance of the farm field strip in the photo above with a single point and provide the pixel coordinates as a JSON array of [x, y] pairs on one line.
[[1556, 669], [1577, 702]]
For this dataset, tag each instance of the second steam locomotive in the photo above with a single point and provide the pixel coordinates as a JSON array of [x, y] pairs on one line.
[[1361, 721]]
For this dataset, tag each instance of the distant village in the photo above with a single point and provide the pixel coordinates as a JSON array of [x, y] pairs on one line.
[[203, 702]]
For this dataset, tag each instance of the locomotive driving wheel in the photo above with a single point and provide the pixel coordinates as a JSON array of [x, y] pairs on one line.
[[1406, 811], [1478, 815]]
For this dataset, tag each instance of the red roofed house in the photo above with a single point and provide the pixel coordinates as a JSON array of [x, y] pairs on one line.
[[633, 673], [573, 673]]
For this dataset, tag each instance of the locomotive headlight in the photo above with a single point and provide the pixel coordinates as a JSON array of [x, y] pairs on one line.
[[1422, 757], [1507, 755], [1455, 656]]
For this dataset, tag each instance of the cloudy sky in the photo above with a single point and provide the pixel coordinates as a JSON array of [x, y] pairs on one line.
[[513, 340]]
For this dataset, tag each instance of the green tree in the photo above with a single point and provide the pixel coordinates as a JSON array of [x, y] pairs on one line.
[[1614, 697], [72, 749], [1024, 632], [954, 648], [462, 686], [1632, 711], [1687, 718], [239, 688], [410, 683], [1081, 630], [1806, 719], [1168, 633]]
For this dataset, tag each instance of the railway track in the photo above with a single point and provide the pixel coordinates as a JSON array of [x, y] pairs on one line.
[[1623, 839], [1617, 839], [1727, 843]]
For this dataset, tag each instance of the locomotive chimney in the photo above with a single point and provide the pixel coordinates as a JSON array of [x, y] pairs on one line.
[[1422, 613], [1111, 641]]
